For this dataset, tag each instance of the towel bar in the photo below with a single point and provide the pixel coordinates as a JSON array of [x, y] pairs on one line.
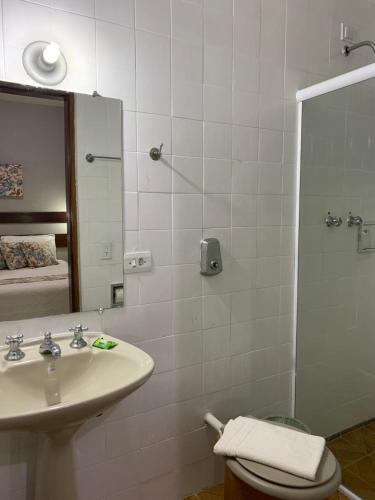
[[91, 158]]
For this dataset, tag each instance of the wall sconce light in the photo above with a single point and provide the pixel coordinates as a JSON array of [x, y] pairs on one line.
[[44, 62]]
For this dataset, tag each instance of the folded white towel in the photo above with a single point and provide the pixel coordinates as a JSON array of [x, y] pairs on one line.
[[279, 447]]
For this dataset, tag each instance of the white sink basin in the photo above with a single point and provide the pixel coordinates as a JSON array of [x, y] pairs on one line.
[[55, 395], [42, 393]]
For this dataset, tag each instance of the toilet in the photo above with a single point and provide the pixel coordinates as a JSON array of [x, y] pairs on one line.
[[245, 479]]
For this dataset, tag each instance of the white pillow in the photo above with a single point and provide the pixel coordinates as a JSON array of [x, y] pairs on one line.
[[37, 238]]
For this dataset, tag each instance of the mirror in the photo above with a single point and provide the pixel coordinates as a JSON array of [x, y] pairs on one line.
[[61, 233]]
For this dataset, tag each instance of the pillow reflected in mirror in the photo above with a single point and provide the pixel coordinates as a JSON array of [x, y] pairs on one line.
[[13, 255], [3, 264], [39, 254]]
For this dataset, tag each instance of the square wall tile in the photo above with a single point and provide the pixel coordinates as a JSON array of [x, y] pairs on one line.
[[187, 79], [153, 16], [186, 137], [115, 11], [186, 246], [187, 211], [75, 35], [155, 211], [246, 72], [217, 176], [153, 130], [271, 112], [245, 143], [131, 211], [270, 146], [130, 172], [187, 21], [216, 210], [160, 244], [187, 281], [187, 175], [217, 140], [216, 310], [83, 7], [156, 286], [245, 108], [217, 104], [116, 76], [154, 176], [187, 315], [244, 177], [153, 84], [269, 210], [216, 343]]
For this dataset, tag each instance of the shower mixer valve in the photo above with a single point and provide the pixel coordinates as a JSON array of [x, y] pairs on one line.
[[354, 220], [333, 220]]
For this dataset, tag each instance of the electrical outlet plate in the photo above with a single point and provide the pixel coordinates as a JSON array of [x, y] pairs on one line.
[[137, 262]]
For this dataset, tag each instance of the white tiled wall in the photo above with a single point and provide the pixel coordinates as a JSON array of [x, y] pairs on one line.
[[214, 81]]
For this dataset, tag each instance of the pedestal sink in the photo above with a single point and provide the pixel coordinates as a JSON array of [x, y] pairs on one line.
[[54, 396]]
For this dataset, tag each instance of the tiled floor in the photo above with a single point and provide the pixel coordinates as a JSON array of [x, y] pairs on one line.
[[355, 450], [215, 493]]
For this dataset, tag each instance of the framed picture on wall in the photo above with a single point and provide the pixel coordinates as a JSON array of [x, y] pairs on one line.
[[11, 181]]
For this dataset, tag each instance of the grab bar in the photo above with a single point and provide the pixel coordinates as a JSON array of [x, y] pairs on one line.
[[91, 158], [214, 422]]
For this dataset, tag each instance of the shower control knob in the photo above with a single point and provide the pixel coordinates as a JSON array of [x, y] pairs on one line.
[[333, 220], [214, 264], [354, 220]]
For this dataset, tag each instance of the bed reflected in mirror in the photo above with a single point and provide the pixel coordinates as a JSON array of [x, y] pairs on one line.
[[61, 244]]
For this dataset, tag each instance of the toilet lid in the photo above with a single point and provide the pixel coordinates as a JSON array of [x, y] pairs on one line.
[[326, 471]]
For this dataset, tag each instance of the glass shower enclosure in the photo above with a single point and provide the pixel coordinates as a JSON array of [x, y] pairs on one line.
[[335, 300]]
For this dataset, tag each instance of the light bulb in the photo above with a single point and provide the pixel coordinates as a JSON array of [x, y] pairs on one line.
[[51, 54]]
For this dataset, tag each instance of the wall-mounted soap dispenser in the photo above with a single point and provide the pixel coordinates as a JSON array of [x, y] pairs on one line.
[[211, 263]]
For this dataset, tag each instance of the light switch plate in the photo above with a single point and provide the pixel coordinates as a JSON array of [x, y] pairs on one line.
[[137, 262], [107, 250]]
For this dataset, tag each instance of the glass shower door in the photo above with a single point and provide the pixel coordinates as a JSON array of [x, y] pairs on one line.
[[335, 372]]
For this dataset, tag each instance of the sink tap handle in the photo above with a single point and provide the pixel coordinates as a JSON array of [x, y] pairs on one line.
[[78, 342], [78, 329], [14, 342]]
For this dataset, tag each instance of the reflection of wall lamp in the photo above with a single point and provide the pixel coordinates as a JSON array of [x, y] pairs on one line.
[[44, 62]]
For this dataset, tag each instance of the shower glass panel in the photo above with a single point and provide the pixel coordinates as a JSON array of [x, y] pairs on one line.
[[335, 371]]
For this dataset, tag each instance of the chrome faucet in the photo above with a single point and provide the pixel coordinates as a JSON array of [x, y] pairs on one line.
[[14, 342], [78, 341], [48, 346]]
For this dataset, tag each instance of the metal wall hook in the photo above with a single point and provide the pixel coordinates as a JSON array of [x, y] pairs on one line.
[[155, 153]]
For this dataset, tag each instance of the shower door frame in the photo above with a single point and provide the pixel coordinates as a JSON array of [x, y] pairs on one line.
[[339, 82]]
